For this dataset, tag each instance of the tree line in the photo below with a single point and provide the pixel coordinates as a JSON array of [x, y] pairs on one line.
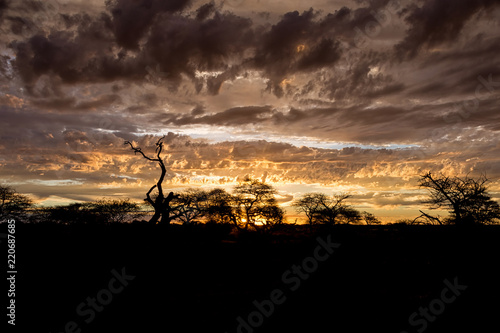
[[253, 205]]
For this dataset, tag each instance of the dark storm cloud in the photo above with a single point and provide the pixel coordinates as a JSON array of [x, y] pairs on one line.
[[81, 58], [40, 126], [172, 42], [362, 123], [438, 21], [205, 11], [134, 40], [133, 37], [73, 104], [294, 45], [348, 23], [359, 82], [3, 7], [132, 18], [231, 117], [184, 45]]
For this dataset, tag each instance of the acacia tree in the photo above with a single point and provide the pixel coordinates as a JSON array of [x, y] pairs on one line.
[[253, 201], [191, 205], [370, 219], [99, 211], [161, 203], [12, 203], [308, 204], [466, 198], [219, 207], [321, 208], [349, 215], [114, 210], [272, 215]]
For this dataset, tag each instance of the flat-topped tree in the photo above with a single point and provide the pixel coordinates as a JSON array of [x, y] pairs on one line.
[[161, 203], [321, 208]]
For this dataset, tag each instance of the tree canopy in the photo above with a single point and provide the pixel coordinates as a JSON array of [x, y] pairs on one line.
[[100, 211], [323, 209], [254, 203], [466, 198]]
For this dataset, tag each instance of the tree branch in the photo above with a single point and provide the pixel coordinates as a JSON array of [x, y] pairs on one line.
[[148, 198], [139, 150], [429, 217]]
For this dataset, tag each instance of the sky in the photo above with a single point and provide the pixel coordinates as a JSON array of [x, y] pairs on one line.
[[332, 96]]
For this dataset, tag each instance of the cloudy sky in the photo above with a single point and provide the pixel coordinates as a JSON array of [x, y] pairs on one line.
[[321, 95]]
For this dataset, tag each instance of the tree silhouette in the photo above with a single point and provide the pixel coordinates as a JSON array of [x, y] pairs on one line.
[[271, 215], [370, 219], [253, 201], [309, 205], [321, 208], [466, 198], [114, 210], [12, 203], [100, 211], [219, 207], [191, 205], [161, 203]]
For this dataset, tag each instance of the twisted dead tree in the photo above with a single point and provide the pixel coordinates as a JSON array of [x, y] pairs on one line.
[[161, 203]]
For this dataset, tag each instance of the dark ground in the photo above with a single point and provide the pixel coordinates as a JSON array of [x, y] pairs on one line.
[[201, 279]]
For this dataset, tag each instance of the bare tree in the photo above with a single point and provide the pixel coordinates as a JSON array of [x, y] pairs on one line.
[[466, 198], [161, 203]]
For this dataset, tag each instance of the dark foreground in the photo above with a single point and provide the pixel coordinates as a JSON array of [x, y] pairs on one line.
[[134, 278]]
